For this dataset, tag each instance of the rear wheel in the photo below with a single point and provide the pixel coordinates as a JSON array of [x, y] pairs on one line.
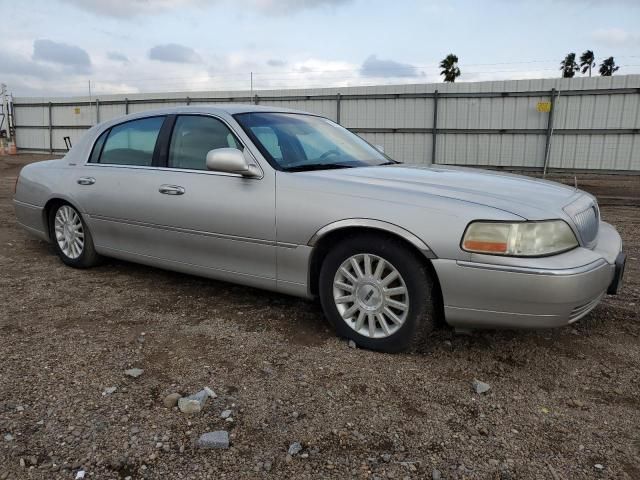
[[71, 237], [377, 292]]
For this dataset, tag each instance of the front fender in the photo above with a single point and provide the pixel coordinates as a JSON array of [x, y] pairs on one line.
[[376, 224]]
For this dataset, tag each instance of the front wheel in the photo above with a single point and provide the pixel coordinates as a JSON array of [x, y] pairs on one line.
[[71, 237], [377, 292]]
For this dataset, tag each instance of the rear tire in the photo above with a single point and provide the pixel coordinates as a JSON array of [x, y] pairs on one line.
[[377, 292], [71, 237]]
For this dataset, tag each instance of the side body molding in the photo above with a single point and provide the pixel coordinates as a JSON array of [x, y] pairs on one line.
[[377, 224]]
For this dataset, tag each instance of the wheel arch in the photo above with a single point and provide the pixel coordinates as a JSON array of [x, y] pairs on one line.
[[49, 206], [324, 238]]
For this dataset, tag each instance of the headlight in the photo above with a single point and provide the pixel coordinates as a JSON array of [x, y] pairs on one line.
[[524, 239]]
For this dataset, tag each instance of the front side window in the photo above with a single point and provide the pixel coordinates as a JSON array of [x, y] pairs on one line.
[[296, 142], [132, 143], [193, 137]]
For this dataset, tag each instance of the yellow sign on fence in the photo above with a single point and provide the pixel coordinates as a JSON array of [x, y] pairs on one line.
[[76, 110], [543, 107]]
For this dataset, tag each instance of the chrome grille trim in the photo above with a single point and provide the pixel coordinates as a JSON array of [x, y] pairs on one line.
[[585, 215], [587, 221]]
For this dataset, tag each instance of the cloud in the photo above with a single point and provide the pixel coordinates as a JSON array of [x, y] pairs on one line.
[[117, 57], [600, 3], [276, 63], [132, 8], [61, 54], [126, 9], [375, 67], [15, 65], [175, 53], [616, 37], [283, 7]]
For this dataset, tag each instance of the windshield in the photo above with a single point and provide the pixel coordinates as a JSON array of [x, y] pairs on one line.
[[296, 142]]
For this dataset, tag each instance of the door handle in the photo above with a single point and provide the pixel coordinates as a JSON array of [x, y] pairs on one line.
[[171, 189], [86, 180]]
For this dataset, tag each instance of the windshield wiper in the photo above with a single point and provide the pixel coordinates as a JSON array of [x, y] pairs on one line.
[[317, 166]]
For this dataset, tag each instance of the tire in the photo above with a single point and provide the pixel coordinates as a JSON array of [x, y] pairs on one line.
[[368, 314], [71, 237]]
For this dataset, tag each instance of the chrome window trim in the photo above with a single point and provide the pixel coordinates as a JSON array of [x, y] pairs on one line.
[[155, 169], [172, 169]]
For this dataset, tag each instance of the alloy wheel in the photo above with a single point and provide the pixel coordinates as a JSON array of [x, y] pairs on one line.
[[69, 231], [371, 295]]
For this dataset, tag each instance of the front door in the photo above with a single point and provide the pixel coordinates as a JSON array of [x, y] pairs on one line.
[[178, 213]]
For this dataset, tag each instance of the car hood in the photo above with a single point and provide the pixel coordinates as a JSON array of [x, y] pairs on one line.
[[529, 198]]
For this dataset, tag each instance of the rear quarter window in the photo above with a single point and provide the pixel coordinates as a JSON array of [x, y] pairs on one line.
[[97, 148]]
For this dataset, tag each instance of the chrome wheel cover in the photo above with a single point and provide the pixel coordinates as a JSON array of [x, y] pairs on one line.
[[371, 295], [69, 232]]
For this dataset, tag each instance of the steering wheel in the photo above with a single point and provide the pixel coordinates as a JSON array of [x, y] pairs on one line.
[[328, 153]]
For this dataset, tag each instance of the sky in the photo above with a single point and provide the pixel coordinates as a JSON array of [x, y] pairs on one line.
[[60, 47]]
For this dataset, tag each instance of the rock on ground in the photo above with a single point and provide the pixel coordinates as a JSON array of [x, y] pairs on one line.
[[134, 372], [295, 448], [218, 439], [480, 387], [171, 400], [109, 391], [194, 403]]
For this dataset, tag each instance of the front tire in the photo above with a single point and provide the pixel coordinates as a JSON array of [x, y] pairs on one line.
[[71, 237], [377, 292]]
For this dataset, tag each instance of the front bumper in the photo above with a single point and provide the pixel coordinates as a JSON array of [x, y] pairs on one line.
[[530, 293]]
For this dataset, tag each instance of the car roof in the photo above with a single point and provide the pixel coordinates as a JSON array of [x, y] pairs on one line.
[[228, 108]]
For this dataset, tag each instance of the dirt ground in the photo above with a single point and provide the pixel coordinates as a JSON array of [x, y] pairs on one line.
[[563, 404]]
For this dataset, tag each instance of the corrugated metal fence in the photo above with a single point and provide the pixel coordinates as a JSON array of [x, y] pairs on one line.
[[594, 124]]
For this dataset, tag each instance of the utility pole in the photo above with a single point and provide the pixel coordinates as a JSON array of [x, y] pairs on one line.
[[251, 76], [3, 105], [6, 113], [90, 104]]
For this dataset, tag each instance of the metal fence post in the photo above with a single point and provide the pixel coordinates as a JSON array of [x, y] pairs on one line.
[[434, 134], [256, 100], [97, 111], [188, 101], [126, 106], [547, 146], [338, 108], [50, 129]]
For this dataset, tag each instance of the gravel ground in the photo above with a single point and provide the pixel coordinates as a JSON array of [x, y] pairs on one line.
[[562, 404]]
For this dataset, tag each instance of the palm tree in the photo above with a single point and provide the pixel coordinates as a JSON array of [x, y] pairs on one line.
[[569, 66], [608, 67], [587, 61], [450, 68]]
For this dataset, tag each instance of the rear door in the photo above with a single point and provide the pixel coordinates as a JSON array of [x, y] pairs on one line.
[[116, 185]]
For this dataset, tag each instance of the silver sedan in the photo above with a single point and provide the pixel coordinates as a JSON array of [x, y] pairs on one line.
[[292, 202]]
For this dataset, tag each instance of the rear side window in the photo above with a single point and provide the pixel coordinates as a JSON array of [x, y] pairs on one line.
[[192, 138], [132, 143]]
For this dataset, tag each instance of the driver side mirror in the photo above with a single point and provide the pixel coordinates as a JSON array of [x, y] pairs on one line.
[[231, 160]]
